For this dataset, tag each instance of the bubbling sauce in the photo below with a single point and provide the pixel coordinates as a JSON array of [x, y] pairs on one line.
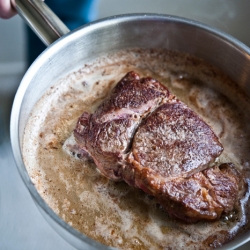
[[116, 214]]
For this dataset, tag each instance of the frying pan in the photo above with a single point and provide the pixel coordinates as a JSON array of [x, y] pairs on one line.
[[67, 51]]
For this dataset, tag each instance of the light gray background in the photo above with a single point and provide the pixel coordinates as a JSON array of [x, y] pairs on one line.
[[21, 224]]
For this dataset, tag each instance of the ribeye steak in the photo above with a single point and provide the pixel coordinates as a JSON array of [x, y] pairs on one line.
[[144, 135]]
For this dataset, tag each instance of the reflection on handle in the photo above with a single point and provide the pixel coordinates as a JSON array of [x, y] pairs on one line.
[[41, 19]]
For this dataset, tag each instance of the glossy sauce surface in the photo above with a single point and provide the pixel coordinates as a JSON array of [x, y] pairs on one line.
[[114, 213]]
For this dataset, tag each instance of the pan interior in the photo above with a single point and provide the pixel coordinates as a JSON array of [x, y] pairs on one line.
[[114, 213]]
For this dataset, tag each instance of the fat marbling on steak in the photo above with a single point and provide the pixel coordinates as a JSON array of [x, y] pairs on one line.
[[144, 135]]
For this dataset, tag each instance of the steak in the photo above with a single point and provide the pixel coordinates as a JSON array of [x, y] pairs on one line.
[[107, 134], [204, 195], [174, 142], [145, 136]]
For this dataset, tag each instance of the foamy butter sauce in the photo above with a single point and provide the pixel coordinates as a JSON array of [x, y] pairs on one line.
[[114, 213]]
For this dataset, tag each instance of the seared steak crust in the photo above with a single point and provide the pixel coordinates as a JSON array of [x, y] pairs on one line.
[[175, 142], [147, 137], [226, 182], [107, 134], [202, 196]]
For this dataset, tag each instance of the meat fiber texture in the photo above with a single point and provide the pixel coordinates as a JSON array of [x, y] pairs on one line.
[[145, 136]]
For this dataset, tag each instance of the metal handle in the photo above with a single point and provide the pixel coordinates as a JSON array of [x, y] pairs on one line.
[[43, 21]]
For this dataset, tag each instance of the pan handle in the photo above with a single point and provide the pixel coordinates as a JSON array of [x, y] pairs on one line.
[[43, 21]]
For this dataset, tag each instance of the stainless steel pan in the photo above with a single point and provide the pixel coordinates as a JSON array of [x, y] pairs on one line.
[[69, 50]]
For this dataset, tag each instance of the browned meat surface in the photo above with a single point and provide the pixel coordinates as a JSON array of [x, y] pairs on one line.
[[107, 134], [173, 141], [226, 182], [202, 196], [145, 136]]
